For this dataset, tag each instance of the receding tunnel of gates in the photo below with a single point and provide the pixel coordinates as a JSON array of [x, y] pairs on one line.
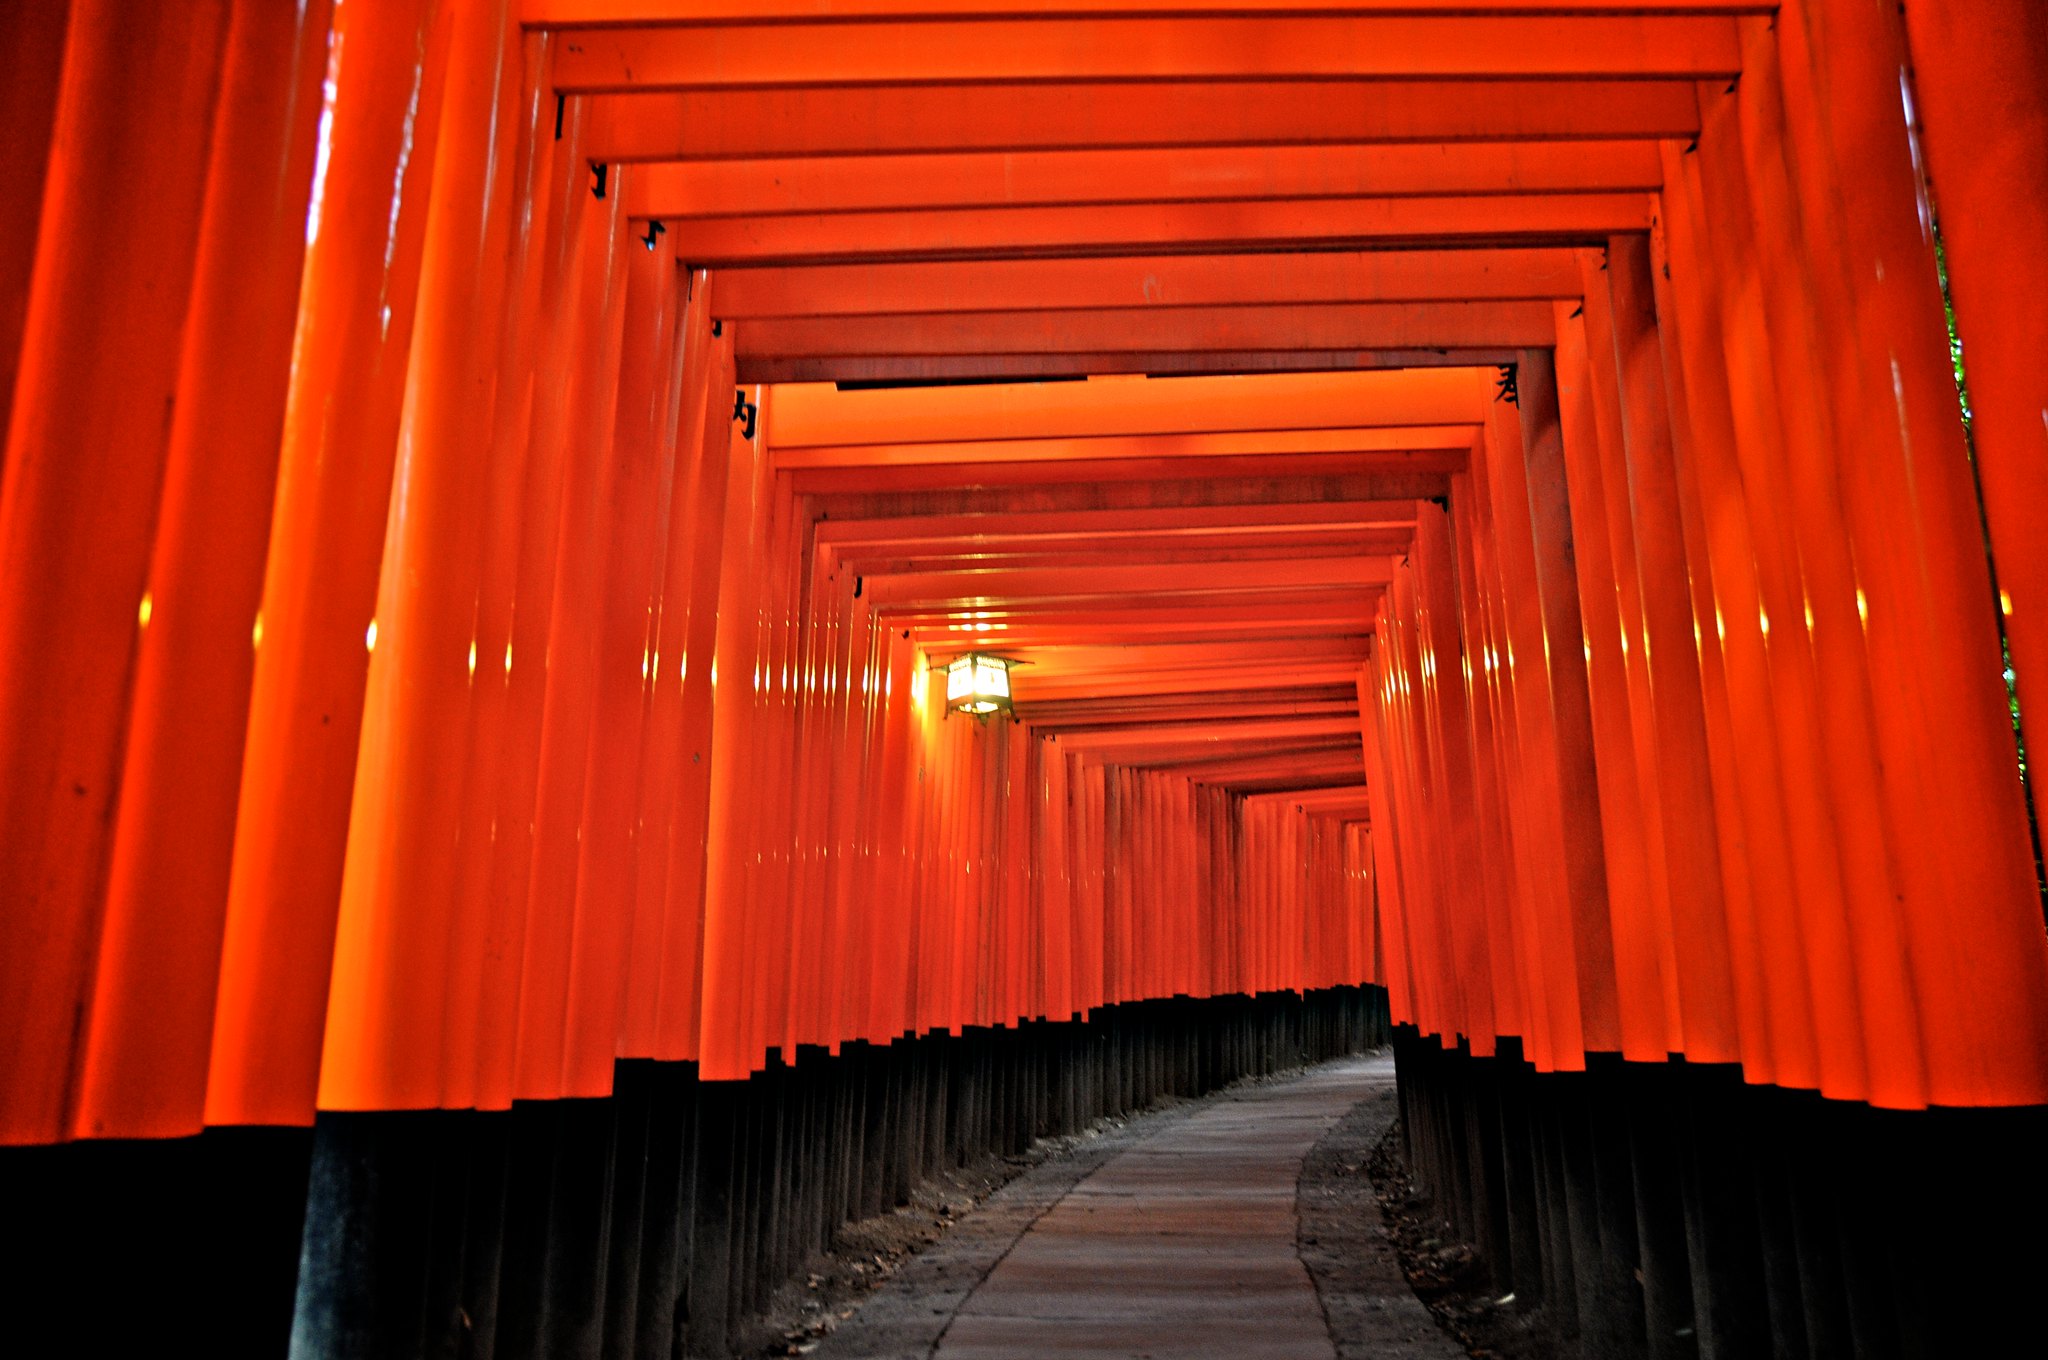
[[1184, 572], [1768, 824]]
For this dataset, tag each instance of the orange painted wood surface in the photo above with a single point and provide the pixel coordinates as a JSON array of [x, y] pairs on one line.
[[1475, 497]]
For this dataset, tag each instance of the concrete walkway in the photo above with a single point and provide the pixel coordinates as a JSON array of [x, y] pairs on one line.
[[1173, 1240]]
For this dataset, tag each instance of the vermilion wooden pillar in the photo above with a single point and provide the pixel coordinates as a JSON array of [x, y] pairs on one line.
[[810, 708], [1547, 678], [79, 485], [1765, 980], [1446, 706], [387, 1033], [1699, 984], [679, 1014], [889, 908], [350, 353], [614, 835], [724, 1053], [566, 316], [1645, 943], [1388, 884], [1803, 948], [1505, 904], [1629, 801], [1815, 614], [1441, 1004], [149, 1038], [483, 927], [665, 760], [1951, 793], [1980, 86], [33, 38], [583, 534], [1488, 651], [849, 868], [1692, 431]]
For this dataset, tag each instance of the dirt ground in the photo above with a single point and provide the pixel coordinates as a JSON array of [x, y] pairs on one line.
[[1368, 1306], [1441, 1269]]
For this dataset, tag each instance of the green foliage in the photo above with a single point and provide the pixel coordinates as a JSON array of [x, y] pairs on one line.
[[1955, 342], [1955, 359], [2012, 692]]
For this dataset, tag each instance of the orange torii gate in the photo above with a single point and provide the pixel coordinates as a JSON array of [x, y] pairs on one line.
[[1476, 490]]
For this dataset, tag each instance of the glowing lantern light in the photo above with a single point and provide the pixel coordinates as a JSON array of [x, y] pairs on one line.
[[978, 684]]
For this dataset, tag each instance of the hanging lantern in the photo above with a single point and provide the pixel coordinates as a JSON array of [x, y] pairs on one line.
[[978, 684]]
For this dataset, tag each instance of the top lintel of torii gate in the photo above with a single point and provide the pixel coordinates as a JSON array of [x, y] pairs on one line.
[[630, 46], [566, 14]]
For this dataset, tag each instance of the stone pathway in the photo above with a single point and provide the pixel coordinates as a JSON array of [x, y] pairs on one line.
[[1172, 1239]]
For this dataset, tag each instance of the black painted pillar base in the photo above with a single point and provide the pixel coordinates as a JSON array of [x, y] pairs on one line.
[[1665, 1211], [652, 1224], [128, 1247]]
